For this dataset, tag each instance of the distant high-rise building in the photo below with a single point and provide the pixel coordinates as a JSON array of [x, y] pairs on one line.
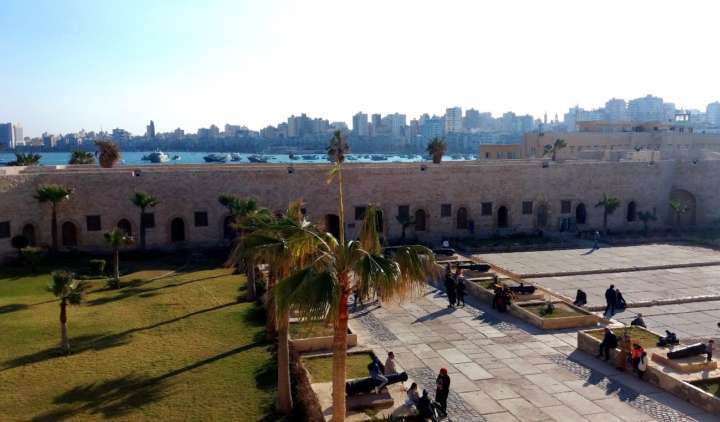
[[713, 113], [150, 130], [375, 124], [453, 120], [616, 110], [432, 127], [7, 136], [396, 123], [646, 109], [360, 124], [18, 133], [669, 112], [472, 119]]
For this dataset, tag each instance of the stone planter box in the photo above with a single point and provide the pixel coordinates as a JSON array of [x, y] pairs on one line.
[[583, 319], [319, 344], [685, 365]]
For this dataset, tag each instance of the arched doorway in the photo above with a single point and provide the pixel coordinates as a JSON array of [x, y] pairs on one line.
[[580, 214], [379, 225], [332, 225], [229, 233], [462, 218], [420, 221], [502, 218], [177, 230], [542, 216], [688, 204], [29, 232], [125, 226], [69, 235], [631, 212]]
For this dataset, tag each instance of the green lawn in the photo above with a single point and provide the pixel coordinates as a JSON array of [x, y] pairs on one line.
[[320, 368], [308, 329], [560, 311], [637, 335], [167, 346], [712, 386]]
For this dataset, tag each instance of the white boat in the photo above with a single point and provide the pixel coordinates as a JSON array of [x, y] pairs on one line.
[[235, 156], [258, 159], [216, 158], [157, 157]]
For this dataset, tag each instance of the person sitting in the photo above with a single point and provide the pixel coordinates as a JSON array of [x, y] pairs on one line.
[[375, 371], [638, 321], [413, 397], [580, 298], [390, 368], [425, 408], [608, 343], [619, 300], [669, 339]]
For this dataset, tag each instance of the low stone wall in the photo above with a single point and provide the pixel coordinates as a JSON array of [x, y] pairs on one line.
[[584, 320], [317, 344]]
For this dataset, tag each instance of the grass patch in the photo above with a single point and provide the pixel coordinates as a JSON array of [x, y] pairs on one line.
[[644, 338], [308, 329], [712, 386], [320, 368], [178, 347], [561, 311]]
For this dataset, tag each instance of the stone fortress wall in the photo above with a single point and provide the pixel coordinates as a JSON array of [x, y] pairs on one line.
[[503, 186]]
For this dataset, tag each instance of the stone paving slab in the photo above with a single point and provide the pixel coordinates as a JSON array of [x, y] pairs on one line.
[[684, 319], [605, 258]]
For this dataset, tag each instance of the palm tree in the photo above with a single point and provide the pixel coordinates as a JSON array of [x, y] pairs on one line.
[[143, 200], [29, 159], [437, 148], [54, 194], [609, 205], [646, 217], [117, 238], [82, 157], [321, 288], [69, 291], [554, 148], [679, 208], [108, 153]]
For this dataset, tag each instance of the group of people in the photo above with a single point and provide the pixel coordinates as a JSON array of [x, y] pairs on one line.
[[379, 372], [502, 297], [430, 409], [454, 287], [629, 351], [615, 301]]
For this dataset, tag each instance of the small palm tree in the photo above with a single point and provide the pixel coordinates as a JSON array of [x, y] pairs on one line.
[[54, 194], [82, 157], [108, 153], [554, 148], [69, 291], [29, 159], [679, 208], [646, 217], [437, 148], [609, 204], [143, 201], [117, 238]]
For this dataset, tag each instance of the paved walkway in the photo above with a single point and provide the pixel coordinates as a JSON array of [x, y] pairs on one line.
[[505, 370]]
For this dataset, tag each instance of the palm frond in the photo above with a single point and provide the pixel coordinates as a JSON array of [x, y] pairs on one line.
[[308, 292]]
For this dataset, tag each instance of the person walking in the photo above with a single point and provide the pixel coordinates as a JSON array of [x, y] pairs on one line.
[[460, 287], [443, 389], [636, 355], [611, 300], [709, 349], [450, 287], [642, 365], [608, 343], [620, 303], [596, 240]]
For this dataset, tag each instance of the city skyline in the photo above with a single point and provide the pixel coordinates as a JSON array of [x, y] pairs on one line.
[[193, 64]]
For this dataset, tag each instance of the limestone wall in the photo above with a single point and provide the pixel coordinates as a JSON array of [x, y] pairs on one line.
[[185, 189]]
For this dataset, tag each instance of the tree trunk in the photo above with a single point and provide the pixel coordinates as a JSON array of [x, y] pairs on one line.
[[340, 353], [142, 230], [284, 395], [116, 264], [53, 228], [64, 341], [250, 275], [437, 158], [270, 327]]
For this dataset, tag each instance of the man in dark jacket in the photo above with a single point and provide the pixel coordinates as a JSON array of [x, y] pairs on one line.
[[450, 287], [425, 408], [443, 389], [611, 299], [608, 343]]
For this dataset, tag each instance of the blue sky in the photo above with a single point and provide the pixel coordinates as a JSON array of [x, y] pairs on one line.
[[108, 63]]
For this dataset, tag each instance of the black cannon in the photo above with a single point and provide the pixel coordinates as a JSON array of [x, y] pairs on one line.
[[481, 268], [444, 251], [522, 289], [687, 351], [366, 385]]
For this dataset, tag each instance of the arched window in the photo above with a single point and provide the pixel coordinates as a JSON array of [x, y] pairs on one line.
[[420, 223], [631, 212], [379, 221], [332, 225], [580, 214], [462, 218], [503, 217], [29, 232], [69, 234], [125, 226], [177, 230]]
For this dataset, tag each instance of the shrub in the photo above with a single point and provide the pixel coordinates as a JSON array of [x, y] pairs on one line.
[[548, 309], [33, 255], [113, 283], [97, 266]]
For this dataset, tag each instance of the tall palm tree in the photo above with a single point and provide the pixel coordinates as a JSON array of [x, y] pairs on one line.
[[82, 157], [437, 148], [554, 148], [609, 204], [143, 200], [69, 291], [679, 208], [322, 287], [108, 153], [54, 194], [117, 238]]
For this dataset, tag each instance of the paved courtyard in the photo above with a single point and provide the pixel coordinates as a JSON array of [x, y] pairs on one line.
[[505, 370], [696, 321], [605, 258]]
